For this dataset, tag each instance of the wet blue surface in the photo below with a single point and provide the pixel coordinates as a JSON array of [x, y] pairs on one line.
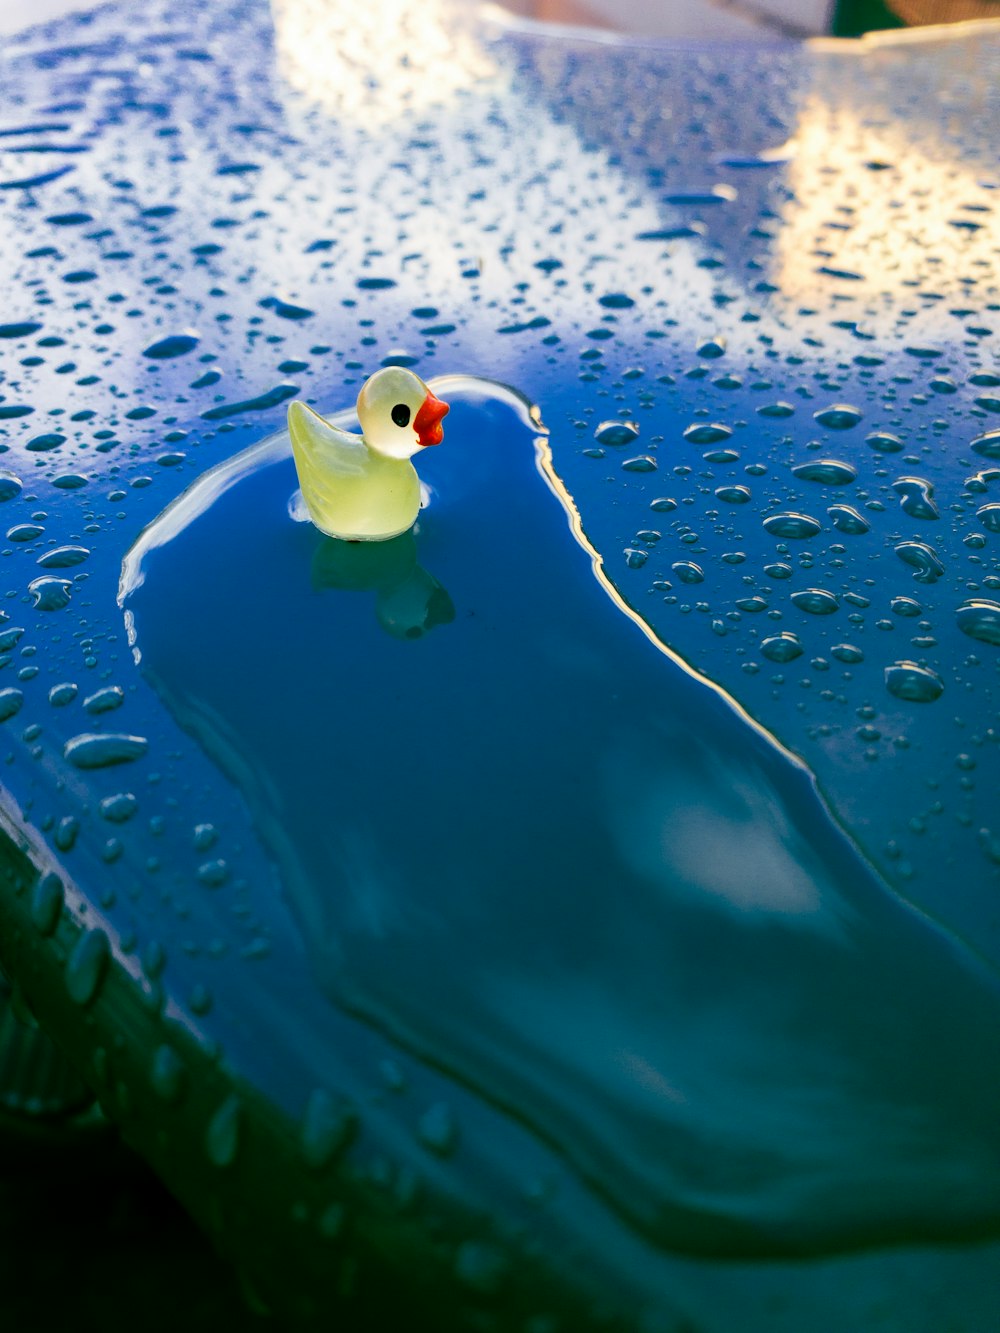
[[779, 266]]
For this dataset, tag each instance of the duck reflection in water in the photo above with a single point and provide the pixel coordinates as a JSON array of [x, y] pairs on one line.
[[409, 602]]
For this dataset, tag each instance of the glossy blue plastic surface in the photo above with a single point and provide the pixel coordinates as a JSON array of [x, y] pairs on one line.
[[635, 982]]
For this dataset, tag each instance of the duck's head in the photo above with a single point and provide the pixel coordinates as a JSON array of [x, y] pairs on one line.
[[399, 414]]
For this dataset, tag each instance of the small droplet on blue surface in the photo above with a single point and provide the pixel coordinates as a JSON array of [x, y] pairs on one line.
[[327, 1127], [829, 471], [839, 416], [176, 344], [988, 445], [847, 652], [783, 647], [119, 808], [905, 606], [480, 1265], [10, 485], [884, 442], [616, 432], [915, 497], [11, 700], [712, 432], [50, 593], [222, 1137], [47, 903], [105, 700], [989, 516], [980, 619], [912, 682], [688, 572], [817, 601], [712, 348], [92, 750], [847, 519], [734, 495], [438, 1129], [166, 1074], [663, 504], [644, 463], [87, 965], [791, 524], [776, 411], [62, 694], [923, 559], [63, 557]]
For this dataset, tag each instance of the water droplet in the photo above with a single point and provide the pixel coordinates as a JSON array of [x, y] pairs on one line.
[[438, 1129], [980, 619], [213, 873], [777, 411], [905, 606], [641, 464], [11, 700], [86, 966], [791, 524], [829, 471], [616, 432], [481, 1266], [63, 557], [287, 310], [50, 593], [62, 694], [106, 700], [734, 495], [923, 559], [616, 301], [635, 557], [90, 750], [712, 348], [783, 647], [166, 1074], [328, 1125], [205, 836], [222, 1137], [988, 445], [914, 683], [847, 652], [47, 903], [915, 497], [688, 572], [177, 344], [713, 432], [10, 485], [43, 444], [847, 519], [989, 516], [839, 416], [663, 505], [119, 808], [817, 601], [883, 442]]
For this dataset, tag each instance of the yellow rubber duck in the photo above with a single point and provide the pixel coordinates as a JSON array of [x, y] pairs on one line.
[[364, 487]]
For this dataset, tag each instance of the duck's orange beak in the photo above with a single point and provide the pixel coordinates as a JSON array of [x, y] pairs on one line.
[[427, 422]]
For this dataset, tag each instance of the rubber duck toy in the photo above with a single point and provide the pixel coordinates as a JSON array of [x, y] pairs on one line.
[[364, 487]]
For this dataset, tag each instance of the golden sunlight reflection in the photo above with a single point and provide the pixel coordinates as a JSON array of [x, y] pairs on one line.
[[422, 55], [876, 206]]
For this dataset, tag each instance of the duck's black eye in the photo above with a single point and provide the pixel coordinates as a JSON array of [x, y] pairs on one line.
[[401, 414]]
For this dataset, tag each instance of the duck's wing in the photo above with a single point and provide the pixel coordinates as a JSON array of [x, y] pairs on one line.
[[323, 452]]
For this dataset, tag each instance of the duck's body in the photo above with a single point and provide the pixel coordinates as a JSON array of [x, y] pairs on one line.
[[364, 487]]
